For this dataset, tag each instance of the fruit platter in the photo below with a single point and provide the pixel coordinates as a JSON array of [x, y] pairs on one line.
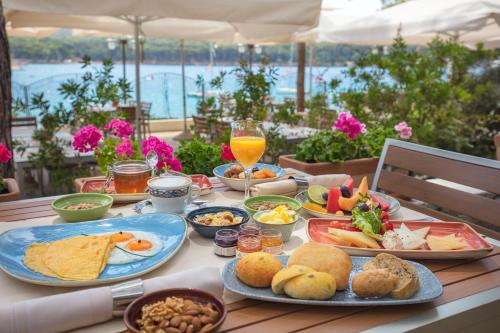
[[368, 234], [339, 201]]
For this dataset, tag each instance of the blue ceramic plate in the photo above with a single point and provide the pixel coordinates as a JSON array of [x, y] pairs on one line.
[[170, 228], [430, 288], [239, 184]]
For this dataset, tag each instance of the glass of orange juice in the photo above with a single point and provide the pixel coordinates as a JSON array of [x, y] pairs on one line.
[[247, 144]]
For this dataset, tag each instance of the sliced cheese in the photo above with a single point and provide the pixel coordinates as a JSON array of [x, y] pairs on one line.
[[445, 243], [422, 232], [356, 238], [411, 241], [338, 240]]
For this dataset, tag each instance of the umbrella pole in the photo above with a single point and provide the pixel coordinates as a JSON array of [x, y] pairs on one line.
[[311, 65], [185, 134], [138, 110]]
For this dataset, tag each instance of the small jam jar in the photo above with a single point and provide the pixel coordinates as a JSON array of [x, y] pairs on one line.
[[248, 229], [271, 241], [248, 244], [225, 242]]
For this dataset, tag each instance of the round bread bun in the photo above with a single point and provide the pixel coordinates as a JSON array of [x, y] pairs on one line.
[[374, 283], [257, 269], [285, 275], [324, 258], [312, 285]]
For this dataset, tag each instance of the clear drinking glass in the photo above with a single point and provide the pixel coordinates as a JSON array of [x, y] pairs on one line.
[[248, 144]]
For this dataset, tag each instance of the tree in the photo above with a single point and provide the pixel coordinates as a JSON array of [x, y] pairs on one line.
[[5, 93]]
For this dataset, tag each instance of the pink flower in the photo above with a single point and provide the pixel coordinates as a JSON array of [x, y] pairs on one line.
[[86, 139], [163, 150], [175, 164], [124, 148], [226, 154], [119, 128], [5, 154], [404, 130], [349, 125]]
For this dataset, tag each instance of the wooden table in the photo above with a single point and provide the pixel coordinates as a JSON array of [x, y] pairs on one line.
[[471, 299]]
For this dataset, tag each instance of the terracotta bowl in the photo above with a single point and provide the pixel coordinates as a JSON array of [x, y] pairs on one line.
[[134, 310]]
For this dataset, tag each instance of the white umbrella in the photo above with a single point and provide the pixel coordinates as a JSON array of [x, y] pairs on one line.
[[282, 15], [419, 21]]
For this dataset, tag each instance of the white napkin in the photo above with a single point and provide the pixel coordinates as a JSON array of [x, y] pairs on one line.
[[63, 312], [289, 186]]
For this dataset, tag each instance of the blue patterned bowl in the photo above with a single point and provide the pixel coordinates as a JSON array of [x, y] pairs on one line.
[[209, 231]]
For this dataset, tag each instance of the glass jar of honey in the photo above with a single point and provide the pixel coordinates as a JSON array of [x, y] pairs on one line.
[[272, 241], [248, 244], [225, 242], [248, 229]]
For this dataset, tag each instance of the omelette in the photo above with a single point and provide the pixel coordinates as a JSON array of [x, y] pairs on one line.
[[73, 258]]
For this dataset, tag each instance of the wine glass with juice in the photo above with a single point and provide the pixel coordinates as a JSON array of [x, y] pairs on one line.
[[248, 144]]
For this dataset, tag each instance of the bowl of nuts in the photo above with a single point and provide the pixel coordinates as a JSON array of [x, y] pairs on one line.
[[178, 310]]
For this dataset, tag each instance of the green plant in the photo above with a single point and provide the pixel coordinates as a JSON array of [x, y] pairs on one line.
[[319, 114], [330, 146], [286, 114], [50, 154], [348, 140], [199, 157], [251, 98], [95, 88], [276, 144], [106, 154], [435, 90]]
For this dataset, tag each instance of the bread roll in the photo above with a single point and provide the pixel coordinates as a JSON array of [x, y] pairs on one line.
[[324, 258], [285, 275], [374, 283], [257, 269], [312, 285], [408, 282]]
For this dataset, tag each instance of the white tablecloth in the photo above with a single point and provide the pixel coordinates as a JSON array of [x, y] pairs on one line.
[[196, 251]]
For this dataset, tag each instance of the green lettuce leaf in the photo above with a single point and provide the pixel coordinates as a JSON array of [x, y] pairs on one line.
[[368, 222]]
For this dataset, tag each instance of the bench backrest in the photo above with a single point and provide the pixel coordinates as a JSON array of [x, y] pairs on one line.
[[201, 125], [405, 168], [24, 121]]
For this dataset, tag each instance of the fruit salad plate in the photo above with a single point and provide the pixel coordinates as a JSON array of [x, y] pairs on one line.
[[430, 288], [474, 244], [168, 230], [393, 203]]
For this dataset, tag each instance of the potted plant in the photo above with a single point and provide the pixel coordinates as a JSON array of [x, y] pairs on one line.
[[349, 147], [114, 143], [200, 157], [9, 190]]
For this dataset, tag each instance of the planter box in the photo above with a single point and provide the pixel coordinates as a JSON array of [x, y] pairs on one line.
[[13, 190], [356, 168]]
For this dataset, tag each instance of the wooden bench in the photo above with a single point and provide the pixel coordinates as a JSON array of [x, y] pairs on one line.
[[221, 128], [23, 122], [202, 127], [404, 168]]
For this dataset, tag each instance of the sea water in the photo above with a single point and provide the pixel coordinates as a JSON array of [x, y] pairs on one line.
[[161, 84]]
